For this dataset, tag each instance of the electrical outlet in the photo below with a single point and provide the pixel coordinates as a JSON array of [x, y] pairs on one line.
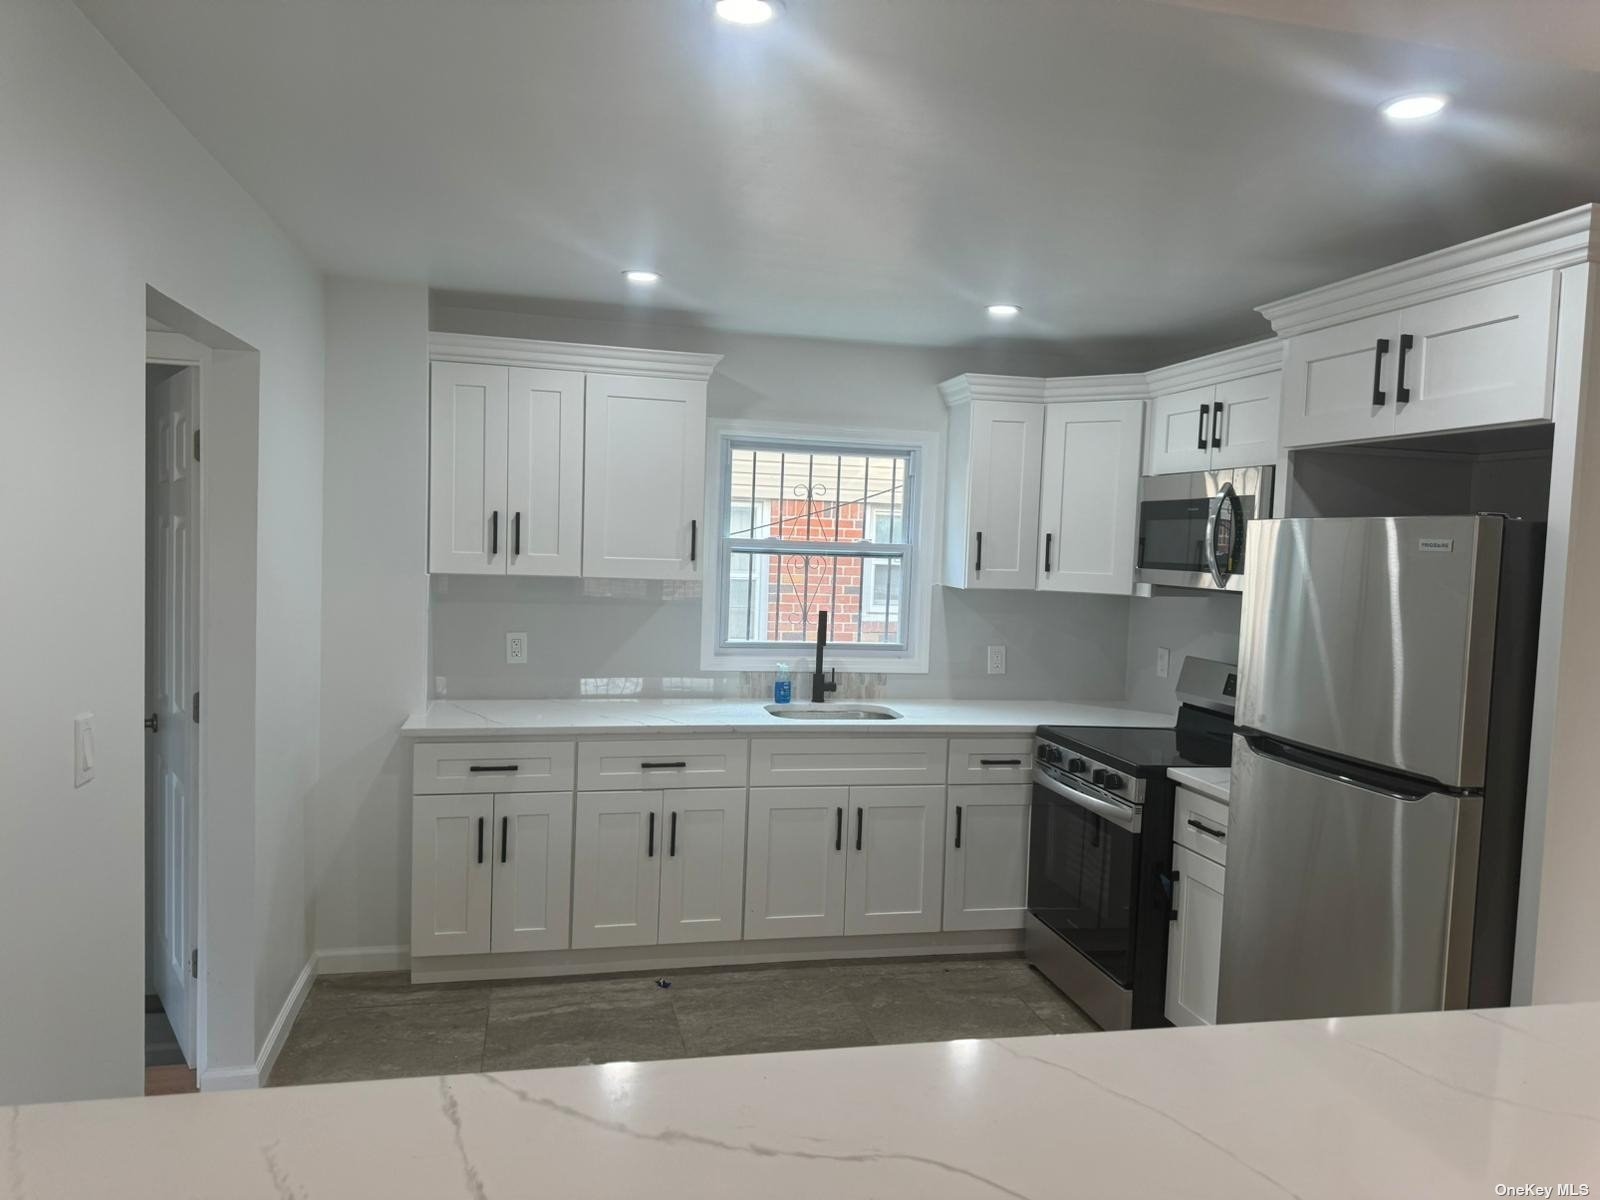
[[82, 749], [1163, 661], [441, 686], [997, 660], [516, 647]]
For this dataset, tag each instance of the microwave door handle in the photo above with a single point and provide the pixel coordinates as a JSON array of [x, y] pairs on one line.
[[1220, 571]]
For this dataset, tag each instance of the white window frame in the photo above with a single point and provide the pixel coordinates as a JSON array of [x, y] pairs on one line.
[[925, 480]]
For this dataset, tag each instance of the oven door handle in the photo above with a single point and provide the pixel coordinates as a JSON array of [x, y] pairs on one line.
[[1125, 815]]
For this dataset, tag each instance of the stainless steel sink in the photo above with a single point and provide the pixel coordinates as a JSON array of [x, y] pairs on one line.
[[833, 712]]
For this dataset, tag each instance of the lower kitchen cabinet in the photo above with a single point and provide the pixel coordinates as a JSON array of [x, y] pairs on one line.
[[450, 874], [895, 862], [532, 871], [794, 869], [986, 856], [616, 869], [702, 875], [1194, 945]]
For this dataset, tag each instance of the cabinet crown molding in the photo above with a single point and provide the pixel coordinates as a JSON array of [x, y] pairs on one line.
[[1028, 389], [571, 356], [1238, 363], [1547, 244]]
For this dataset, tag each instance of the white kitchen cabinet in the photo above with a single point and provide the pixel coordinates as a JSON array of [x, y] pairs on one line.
[[532, 872], [616, 869], [992, 494], [1180, 435], [1244, 420], [544, 472], [795, 864], [1334, 380], [1089, 496], [894, 867], [450, 874], [644, 477], [702, 874], [467, 469], [986, 856], [1194, 939]]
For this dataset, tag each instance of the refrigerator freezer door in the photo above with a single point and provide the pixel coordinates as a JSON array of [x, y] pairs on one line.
[[1373, 639], [1342, 900]]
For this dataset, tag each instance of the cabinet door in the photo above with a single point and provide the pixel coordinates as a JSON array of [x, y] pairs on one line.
[[532, 871], [1180, 431], [1090, 496], [1328, 383], [644, 477], [616, 869], [450, 874], [702, 875], [467, 469], [986, 856], [1194, 940], [794, 871], [1004, 459], [895, 853], [1483, 357], [544, 473], [1244, 420]]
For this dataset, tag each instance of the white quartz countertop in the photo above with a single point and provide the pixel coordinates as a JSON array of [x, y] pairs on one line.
[[541, 718], [1449, 1104], [1208, 781]]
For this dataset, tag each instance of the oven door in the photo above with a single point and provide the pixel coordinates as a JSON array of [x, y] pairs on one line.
[[1083, 863], [1191, 527]]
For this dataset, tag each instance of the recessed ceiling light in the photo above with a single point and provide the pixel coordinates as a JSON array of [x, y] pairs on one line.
[[1003, 312], [746, 12], [644, 278], [1418, 107]]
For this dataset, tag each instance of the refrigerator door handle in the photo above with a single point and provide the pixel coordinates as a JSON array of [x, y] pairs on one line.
[[1384, 783]]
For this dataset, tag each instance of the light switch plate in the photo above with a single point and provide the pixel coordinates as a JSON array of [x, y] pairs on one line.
[[516, 647], [82, 749], [997, 660], [1163, 661]]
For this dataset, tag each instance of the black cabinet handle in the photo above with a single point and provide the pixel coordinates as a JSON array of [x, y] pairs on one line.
[[1172, 891], [497, 769], [650, 846], [672, 837], [1206, 829], [494, 533], [480, 840], [859, 817], [662, 766], [1402, 394], [1216, 426], [1205, 411], [1048, 538], [1378, 398], [694, 539], [977, 567], [999, 762], [958, 827], [516, 534], [838, 829], [505, 836]]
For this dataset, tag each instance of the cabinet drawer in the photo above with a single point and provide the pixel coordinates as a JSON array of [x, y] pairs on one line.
[[806, 762], [1201, 824], [991, 760], [445, 768], [674, 763]]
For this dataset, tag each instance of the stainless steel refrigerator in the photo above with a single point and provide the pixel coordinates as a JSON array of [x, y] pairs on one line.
[[1379, 765]]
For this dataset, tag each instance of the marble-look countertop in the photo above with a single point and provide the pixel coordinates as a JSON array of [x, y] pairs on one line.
[[1208, 781], [547, 718], [1449, 1104]]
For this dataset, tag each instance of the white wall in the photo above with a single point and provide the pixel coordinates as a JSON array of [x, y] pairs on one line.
[[1203, 624], [375, 608], [104, 193]]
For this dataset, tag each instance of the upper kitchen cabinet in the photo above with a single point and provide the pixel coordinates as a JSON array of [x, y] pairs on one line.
[[1216, 412], [996, 452], [1089, 491], [556, 459], [1465, 338]]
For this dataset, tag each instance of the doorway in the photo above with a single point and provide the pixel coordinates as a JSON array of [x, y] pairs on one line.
[[174, 377]]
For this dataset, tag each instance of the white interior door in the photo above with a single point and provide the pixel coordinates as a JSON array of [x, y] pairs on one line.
[[1244, 420], [702, 875], [544, 472], [644, 477], [450, 874], [532, 908], [1194, 941], [171, 682], [1090, 496], [467, 521], [1006, 457], [794, 873], [616, 869], [1180, 431], [895, 861], [986, 856]]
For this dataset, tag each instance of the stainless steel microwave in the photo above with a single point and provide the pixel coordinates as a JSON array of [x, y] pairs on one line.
[[1191, 527]]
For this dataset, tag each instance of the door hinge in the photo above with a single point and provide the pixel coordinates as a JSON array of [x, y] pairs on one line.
[[194, 707], [194, 963], [197, 445]]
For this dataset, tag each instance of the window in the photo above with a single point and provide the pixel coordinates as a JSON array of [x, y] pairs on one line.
[[812, 526]]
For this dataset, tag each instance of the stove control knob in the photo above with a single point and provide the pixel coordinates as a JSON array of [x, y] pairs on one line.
[[1099, 776], [1048, 754], [1077, 766], [1113, 783]]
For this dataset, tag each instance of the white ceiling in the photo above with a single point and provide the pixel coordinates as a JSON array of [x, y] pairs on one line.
[[1136, 175]]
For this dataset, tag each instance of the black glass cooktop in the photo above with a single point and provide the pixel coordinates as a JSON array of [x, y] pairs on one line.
[[1200, 739]]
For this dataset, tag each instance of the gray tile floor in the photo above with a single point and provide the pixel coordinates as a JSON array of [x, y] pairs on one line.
[[380, 1026]]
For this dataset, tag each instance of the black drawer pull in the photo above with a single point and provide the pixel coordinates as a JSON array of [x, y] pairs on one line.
[[672, 836], [999, 762], [1048, 538], [694, 539], [498, 769], [1206, 829], [958, 827], [1216, 426], [1378, 398], [1205, 411], [505, 836], [494, 533], [480, 840], [650, 850], [1402, 394], [516, 534], [859, 818], [838, 829], [977, 567], [662, 766]]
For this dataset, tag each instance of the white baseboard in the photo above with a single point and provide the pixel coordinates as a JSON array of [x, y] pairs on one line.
[[350, 960], [279, 1033]]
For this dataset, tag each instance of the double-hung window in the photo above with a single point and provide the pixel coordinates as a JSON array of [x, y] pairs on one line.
[[812, 526]]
